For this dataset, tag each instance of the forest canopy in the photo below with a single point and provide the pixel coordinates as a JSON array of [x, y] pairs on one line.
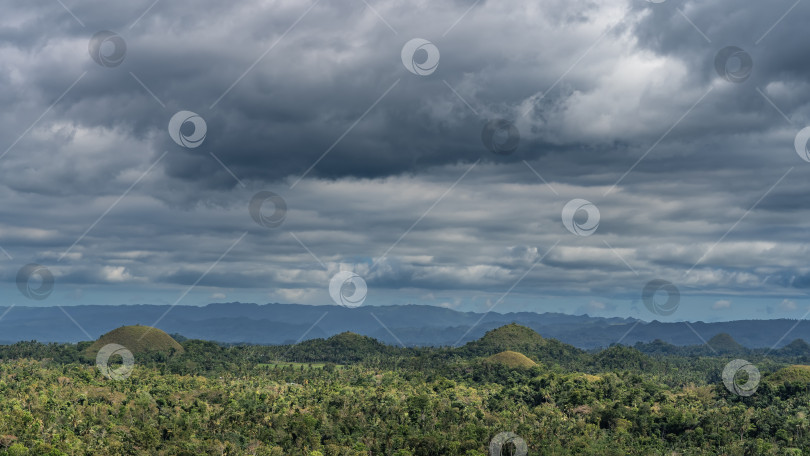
[[352, 395]]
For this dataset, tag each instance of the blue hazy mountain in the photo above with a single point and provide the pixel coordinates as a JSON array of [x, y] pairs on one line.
[[407, 324]]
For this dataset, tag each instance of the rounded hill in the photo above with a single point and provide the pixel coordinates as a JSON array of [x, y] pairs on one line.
[[797, 373], [343, 348], [510, 359], [517, 338], [724, 343], [137, 339], [508, 337]]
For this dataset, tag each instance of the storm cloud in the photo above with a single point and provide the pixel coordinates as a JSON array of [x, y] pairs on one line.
[[676, 120]]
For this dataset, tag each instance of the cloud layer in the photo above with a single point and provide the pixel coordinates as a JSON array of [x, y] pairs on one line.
[[384, 172]]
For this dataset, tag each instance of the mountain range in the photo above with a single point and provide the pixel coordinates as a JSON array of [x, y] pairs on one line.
[[409, 325]]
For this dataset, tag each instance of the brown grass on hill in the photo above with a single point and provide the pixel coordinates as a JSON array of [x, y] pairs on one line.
[[137, 339], [511, 359]]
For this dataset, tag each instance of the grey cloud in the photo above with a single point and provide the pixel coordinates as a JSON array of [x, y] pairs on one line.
[[590, 118]]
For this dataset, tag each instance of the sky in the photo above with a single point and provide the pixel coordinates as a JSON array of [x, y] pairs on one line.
[[616, 158]]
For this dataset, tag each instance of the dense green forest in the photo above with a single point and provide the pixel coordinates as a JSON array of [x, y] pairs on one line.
[[351, 395]]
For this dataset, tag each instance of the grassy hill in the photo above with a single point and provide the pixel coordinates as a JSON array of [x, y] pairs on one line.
[[797, 373], [514, 337], [137, 339], [796, 348], [510, 337], [510, 359]]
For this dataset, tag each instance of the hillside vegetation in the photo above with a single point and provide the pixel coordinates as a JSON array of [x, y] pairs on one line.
[[350, 395], [792, 374]]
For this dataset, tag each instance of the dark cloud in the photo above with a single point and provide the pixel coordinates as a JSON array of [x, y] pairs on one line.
[[696, 178]]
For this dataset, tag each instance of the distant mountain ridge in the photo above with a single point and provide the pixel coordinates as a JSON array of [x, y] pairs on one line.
[[410, 325]]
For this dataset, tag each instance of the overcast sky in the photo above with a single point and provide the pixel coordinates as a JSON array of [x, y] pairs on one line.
[[677, 121]]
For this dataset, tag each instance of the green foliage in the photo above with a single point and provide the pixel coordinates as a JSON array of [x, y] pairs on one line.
[[340, 349], [352, 396], [523, 340], [792, 374]]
